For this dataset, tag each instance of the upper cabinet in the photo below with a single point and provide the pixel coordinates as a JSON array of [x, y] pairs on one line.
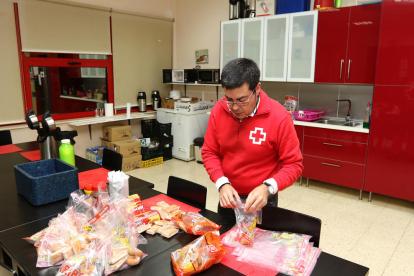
[[347, 44], [302, 46], [275, 47], [252, 39], [230, 41]]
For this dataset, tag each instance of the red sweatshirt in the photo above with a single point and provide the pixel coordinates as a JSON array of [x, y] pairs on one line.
[[258, 148]]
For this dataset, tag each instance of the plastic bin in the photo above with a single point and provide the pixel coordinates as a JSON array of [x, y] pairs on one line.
[[290, 6], [46, 181], [150, 153], [152, 162], [152, 128], [198, 145], [308, 115], [167, 153]]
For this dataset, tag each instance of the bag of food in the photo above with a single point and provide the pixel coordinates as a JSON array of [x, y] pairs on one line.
[[198, 255], [243, 232], [291, 103], [194, 223]]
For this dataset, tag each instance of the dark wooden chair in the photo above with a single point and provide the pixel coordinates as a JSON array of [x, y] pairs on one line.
[[111, 160], [5, 138], [279, 219], [188, 191], [5, 270]]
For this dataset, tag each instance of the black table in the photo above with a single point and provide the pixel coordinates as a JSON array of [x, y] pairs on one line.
[[23, 255], [15, 210]]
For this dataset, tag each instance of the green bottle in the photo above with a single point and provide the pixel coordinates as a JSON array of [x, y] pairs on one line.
[[338, 3], [67, 152]]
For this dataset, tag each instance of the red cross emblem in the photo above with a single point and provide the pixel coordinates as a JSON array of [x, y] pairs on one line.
[[261, 136]]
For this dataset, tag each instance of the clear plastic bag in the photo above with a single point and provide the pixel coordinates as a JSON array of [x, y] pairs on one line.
[[198, 255], [291, 103], [194, 223]]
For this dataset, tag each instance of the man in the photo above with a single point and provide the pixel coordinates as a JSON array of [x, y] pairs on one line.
[[251, 149]]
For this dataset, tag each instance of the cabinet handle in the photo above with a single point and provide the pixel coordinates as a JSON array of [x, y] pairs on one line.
[[340, 72], [332, 165], [349, 67], [335, 145]]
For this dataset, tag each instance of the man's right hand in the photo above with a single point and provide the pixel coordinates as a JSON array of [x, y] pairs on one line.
[[228, 196]]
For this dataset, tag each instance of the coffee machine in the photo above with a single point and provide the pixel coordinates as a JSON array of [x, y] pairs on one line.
[[237, 9]]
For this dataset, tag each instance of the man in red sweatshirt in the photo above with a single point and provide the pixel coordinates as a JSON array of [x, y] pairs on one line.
[[250, 149]]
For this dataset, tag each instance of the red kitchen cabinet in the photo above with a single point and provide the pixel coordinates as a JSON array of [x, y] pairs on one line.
[[300, 132], [347, 44], [334, 171], [391, 147], [364, 30], [331, 45], [396, 55]]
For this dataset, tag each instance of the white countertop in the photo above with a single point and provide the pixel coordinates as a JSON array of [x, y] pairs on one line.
[[118, 117], [328, 126]]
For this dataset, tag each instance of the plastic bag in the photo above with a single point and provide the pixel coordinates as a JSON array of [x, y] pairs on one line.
[[123, 243], [291, 103], [198, 255], [246, 222], [87, 262], [194, 223]]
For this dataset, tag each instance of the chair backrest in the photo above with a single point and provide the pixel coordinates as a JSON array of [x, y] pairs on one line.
[[5, 138], [6, 271], [279, 219], [112, 160], [191, 192]]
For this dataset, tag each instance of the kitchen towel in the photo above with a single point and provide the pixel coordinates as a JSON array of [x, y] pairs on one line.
[[93, 176], [152, 201], [33, 155], [9, 149]]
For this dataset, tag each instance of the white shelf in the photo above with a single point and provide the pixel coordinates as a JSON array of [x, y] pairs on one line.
[[82, 99], [119, 117], [192, 83]]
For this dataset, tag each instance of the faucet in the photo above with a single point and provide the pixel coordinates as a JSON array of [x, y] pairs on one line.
[[348, 116]]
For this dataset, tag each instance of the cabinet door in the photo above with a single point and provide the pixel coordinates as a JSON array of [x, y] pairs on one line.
[[230, 41], [363, 43], [252, 40], [275, 47], [302, 46], [299, 132], [331, 47]]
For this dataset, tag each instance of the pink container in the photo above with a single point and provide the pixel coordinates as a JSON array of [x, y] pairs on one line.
[[308, 115]]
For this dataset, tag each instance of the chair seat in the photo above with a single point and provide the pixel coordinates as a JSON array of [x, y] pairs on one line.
[[191, 192]]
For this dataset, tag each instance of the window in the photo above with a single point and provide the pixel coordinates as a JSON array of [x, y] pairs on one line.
[[67, 85]]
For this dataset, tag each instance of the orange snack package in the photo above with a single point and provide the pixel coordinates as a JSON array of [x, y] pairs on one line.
[[198, 255], [194, 223]]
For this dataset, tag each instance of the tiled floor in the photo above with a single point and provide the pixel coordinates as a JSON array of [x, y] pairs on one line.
[[379, 235]]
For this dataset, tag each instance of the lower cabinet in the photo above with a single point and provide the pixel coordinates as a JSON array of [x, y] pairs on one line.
[[335, 156], [300, 132]]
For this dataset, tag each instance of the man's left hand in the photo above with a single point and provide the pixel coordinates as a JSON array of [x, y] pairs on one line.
[[257, 199]]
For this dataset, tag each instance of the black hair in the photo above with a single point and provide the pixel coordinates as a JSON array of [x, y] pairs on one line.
[[238, 72]]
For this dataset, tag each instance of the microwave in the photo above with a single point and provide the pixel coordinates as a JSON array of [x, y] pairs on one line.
[[208, 76], [179, 75]]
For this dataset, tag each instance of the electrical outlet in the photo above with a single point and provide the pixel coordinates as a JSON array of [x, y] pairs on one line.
[[182, 149]]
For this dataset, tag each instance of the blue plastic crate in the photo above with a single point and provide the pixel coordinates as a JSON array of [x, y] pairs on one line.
[[46, 181], [290, 6]]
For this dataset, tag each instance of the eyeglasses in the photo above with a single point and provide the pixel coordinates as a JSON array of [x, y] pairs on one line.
[[243, 103]]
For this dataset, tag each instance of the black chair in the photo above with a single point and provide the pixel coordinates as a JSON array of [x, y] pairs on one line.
[[111, 160], [5, 138], [193, 193], [5, 270], [279, 219]]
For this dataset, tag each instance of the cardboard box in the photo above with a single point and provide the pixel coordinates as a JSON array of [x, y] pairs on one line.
[[116, 133], [107, 144], [128, 148], [184, 107], [168, 103], [131, 163]]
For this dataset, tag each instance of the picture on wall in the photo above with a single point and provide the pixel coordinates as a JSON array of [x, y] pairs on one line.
[[201, 56]]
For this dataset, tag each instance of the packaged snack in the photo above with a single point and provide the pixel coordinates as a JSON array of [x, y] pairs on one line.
[[172, 208], [153, 229], [169, 232], [198, 255], [247, 223], [147, 216], [173, 214], [33, 238], [163, 228], [143, 227], [156, 208], [194, 223], [162, 204], [86, 262], [291, 103], [164, 215], [162, 222]]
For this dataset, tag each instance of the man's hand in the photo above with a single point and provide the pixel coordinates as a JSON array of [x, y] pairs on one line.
[[257, 199], [227, 196]]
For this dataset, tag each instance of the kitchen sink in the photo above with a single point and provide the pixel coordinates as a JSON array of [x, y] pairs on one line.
[[352, 124], [330, 122], [338, 123]]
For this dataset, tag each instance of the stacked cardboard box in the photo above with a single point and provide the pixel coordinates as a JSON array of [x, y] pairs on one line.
[[119, 139]]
